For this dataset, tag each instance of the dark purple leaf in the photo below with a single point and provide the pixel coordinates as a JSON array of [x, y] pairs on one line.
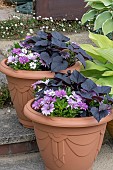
[[98, 115], [88, 85], [60, 36], [102, 89], [98, 98], [46, 58], [58, 63], [38, 49], [81, 59], [103, 107], [63, 77], [77, 77], [42, 34], [58, 43], [85, 95], [42, 43]]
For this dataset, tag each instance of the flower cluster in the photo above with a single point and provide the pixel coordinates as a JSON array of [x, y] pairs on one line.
[[21, 57], [67, 104], [72, 95]]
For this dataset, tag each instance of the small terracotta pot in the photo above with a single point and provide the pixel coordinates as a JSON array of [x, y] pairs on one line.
[[19, 84], [67, 143]]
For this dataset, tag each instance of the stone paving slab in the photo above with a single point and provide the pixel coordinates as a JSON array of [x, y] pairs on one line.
[[11, 131], [33, 161]]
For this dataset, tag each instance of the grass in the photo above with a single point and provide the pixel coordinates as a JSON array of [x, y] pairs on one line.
[[19, 27]]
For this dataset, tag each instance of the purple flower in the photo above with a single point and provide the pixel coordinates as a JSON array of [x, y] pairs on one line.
[[49, 92], [48, 100], [60, 93], [77, 97], [47, 109], [83, 106], [23, 60], [37, 104], [16, 51], [34, 85], [72, 103], [43, 63]]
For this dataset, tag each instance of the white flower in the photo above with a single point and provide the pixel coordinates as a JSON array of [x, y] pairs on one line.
[[6, 28], [79, 22], [31, 31], [76, 19], [2, 27], [33, 17], [64, 19], [24, 51], [89, 28], [21, 23], [15, 25], [53, 29], [32, 65], [64, 29], [47, 27], [69, 25], [22, 32], [39, 16], [43, 27], [28, 34], [51, 18]]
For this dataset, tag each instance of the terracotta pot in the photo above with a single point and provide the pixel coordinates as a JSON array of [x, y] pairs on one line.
[[110, 128], [19, 84], [66, 143]]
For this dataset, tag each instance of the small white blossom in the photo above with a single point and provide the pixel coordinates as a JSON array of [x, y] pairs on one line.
[[2, 27], [69, 25], [53, 29], [76, 19], [32, 65], [15, 25], [79, 22], [51, 18], [64, 29], [31, 31], [39, 16], [89, 28], [6, 28], [22, 32], [24, 51], [21, 23], [33, 17], [64, 19], [47, 27]]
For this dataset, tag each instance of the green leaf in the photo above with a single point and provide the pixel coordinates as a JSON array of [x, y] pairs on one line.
[[108, 73], [98, 5], [95, 74], [93, 66], [92, 52], [101, 18], [101, 40], [106, 53], [87, 16], [107, 26], [109, 66]]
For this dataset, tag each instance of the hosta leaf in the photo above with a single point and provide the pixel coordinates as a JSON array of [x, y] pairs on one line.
[[108, 73], [88, 16], [101, 18], [107, 54], [92, 74], [92, 66], [107, 26], [98, 5], [101, 40], [92, 52], [105, 2]]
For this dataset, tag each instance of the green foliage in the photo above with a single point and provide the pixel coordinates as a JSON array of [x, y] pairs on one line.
[[19, 27], [101, 70], [100, 15], [4, 96]]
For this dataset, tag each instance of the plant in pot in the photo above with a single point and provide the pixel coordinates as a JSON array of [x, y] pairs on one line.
[[36, 58], [99, 16], [69, 113], [101, 69]]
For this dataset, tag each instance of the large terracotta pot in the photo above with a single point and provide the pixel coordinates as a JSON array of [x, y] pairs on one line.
[[67, 143], [19, 84]]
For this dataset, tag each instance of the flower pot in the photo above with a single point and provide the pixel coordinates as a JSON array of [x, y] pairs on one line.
[[66, 143], [19, 84], [110, 128]]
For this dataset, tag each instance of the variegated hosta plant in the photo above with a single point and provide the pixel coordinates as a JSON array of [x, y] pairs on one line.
[[101, 69], [100, 15]]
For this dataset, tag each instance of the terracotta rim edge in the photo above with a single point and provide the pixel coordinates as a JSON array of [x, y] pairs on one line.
[[75, 122], [31, 74]]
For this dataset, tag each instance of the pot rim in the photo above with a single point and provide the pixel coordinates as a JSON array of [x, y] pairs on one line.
[[31, 74], [63, 122]]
